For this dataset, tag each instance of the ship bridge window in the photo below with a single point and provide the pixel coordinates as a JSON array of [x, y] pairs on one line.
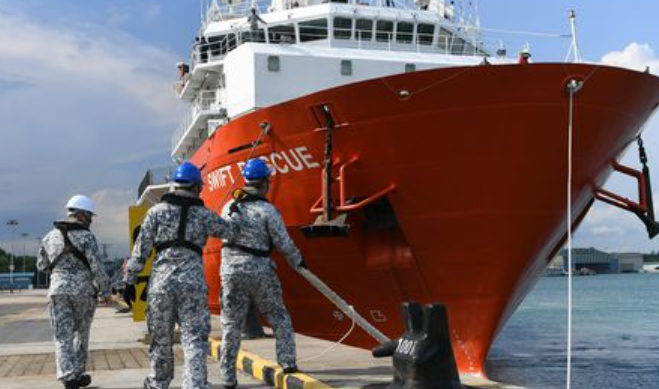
[[404, 32], [253, 36], [364, 29], [425, 33], [282, 34], [232, 42], [445, 37], [217, 44], [312, 30], [342, 28], [458, 46], [384, 30]]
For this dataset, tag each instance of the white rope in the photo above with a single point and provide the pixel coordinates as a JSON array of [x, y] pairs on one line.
[[334, 345], [342, 305], [573, 87]]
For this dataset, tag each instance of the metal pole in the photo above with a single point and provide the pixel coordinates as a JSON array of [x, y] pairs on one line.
[[11, 223], [24, 235], [575, 43], [39, 283]]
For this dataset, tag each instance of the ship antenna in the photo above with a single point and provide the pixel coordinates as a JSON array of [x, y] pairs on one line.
[[574, 45]]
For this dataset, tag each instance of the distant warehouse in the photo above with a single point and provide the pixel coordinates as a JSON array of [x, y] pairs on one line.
[[600, 262]]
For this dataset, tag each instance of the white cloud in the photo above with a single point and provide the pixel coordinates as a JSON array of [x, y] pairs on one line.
[[83, 109], [111, 224], [90, 57], [635, 56]]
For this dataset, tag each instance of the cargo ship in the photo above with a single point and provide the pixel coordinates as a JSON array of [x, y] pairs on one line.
[[413, 160]]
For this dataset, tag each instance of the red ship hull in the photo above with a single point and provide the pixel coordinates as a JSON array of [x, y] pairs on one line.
[[478, 157]]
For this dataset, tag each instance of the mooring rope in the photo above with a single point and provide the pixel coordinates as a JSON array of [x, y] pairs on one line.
[[342, 305], [333, 345], [573, 87]]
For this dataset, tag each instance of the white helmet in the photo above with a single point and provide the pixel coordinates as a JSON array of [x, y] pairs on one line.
[[81, 202]]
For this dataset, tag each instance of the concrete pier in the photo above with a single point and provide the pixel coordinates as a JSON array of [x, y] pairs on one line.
[[119, 361]]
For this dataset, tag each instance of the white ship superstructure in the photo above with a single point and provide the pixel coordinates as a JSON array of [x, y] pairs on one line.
[[245, 60]]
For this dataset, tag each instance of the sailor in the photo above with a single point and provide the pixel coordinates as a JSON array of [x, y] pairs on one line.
[[248, 272], [70, 254], [177, 228]]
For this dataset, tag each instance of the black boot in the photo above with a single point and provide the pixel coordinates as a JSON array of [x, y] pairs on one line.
[[84, 380], [71, 384], [291, 369]]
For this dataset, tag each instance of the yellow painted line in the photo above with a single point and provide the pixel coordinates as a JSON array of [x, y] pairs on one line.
[[269, 372]]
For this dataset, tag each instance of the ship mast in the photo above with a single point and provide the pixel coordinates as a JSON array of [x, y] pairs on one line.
[[574, 46]]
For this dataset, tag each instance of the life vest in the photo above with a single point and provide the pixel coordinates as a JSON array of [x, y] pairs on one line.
[[185, 203], [240, 197], [69, 248]]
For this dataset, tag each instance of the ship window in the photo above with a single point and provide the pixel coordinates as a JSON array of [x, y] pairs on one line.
[[312, 30], [231, 42], [346, 67], [444, 39], [256, 36], [410, 67], [217, 45], [342, 28], [458, 46], [425, 33], [384, 29], [404, 32], [273, 63], [282, 34], [364, 29]]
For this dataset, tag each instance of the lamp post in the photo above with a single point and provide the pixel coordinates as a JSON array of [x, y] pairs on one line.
[[11, 223], [24, 235], [38, 241]]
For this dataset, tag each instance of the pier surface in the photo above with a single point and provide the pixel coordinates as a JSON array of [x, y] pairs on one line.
[[119, 361]]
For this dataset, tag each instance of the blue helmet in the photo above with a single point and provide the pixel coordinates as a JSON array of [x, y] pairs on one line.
[[187, 174], [256, 169]]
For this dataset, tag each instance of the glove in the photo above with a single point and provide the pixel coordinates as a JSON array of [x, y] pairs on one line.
[[302, 264], [129, 293]]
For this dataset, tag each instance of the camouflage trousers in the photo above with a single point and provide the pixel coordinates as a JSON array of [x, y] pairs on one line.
[[190, 311], [71, 318], [264, 289]]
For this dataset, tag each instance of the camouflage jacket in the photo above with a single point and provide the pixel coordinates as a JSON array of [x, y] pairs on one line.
[[175, 269], [262, 228], [70, 275]]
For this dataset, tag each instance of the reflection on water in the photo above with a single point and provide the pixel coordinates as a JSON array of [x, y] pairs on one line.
[[615, 335]]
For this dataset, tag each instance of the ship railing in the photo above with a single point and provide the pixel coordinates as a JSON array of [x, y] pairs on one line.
[[401, 41], [460, 11], [216, 48], [207, 102], [155, 176], [240, 9]]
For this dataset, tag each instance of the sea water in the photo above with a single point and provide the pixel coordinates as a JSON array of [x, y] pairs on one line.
[[615, 335]]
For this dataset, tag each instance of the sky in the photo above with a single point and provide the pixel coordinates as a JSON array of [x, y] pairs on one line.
[[87, 105]]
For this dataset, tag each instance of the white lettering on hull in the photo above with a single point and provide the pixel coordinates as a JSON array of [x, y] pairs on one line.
[[284, 162]]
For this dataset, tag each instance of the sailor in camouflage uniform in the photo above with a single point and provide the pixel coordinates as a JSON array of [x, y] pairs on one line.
[[248, 272], [70, 254], [177, 228]]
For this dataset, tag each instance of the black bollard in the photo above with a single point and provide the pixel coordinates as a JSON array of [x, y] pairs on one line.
[[423, 356]]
